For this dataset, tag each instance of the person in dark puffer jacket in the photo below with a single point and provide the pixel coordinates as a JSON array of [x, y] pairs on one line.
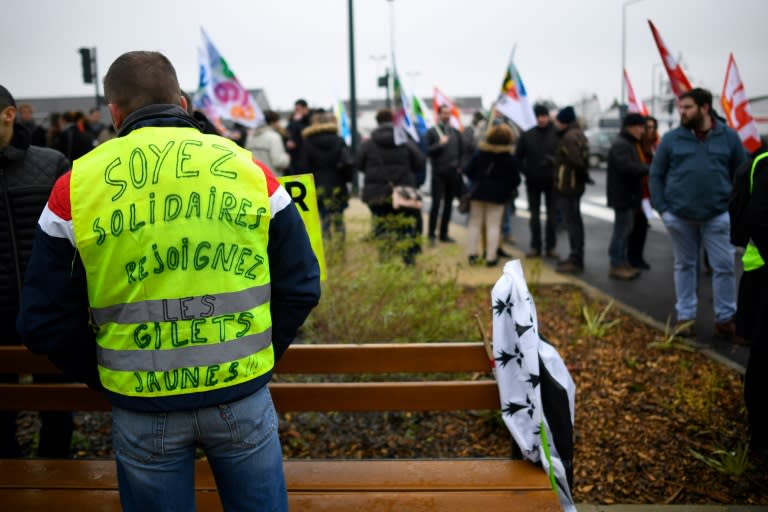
[[494, 174], [386, 165], [27, 174], [325, 154]]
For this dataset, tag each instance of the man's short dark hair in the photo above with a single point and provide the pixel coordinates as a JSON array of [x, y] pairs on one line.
[[6, 99], [384, 116], [699, 96], [270, 116], [139, 79], [301, 103]]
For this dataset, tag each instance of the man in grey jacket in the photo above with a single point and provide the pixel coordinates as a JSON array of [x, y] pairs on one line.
[[690, 180]]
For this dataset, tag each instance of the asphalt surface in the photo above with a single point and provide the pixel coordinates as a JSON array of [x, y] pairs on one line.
[[653, 292]]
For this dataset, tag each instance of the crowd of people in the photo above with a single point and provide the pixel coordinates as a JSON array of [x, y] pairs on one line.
[[67, 284]]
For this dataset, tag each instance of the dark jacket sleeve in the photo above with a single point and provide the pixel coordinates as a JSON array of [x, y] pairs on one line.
[[54, 318], [295, 276], [623, 159], [433, 142]]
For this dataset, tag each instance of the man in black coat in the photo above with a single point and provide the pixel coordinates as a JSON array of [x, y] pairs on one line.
[[446, 152], [27, 174], [625, 191], [536, 151]]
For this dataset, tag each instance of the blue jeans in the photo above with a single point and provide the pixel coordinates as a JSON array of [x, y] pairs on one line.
[[155, 454], [687, 237], [623, 222]]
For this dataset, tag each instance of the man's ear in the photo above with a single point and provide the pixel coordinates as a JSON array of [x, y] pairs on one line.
[[183, 103], [8, 115], [117, 116]]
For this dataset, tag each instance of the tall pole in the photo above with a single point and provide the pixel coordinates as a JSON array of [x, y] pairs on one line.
[[391, 47], [352, 92], [622, 100], [95, 76]]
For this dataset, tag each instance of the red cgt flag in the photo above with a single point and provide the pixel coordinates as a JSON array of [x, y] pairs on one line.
[[439, 99], [736, 108], [677, 78], [633, 104]]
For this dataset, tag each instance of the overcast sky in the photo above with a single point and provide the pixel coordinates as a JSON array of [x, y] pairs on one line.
[[299, 48]]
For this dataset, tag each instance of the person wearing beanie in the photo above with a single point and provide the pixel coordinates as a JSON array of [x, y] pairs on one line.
[[566, 115], [625, 191], [536, 152], [571, 175], [28, 173]]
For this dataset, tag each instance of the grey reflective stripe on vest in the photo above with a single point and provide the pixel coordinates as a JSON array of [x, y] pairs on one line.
[[151, 360], [185, 308]]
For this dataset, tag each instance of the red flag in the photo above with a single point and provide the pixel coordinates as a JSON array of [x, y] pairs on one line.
[[736, 108], [439, 99], [633, 104], [677, 78]]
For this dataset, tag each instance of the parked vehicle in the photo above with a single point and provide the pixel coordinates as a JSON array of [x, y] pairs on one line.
[[599, 143]]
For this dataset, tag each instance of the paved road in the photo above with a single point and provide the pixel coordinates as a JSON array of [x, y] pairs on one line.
[[653, 292]]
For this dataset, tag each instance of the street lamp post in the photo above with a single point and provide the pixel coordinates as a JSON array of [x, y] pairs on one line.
[[624, 6], [654, 96], [352, 86]]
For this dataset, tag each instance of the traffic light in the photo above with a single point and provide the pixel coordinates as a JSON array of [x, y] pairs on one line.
[[85, 57]]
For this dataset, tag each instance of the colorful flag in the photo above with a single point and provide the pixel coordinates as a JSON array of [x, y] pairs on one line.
[[403, 124], [342, 119], [438, 100], [633, 104], [421, 117], [736, 108], [677, 79], [227, 96], [537, 394], [513, 99]]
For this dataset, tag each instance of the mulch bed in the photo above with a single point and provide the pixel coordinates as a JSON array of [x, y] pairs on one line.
[[639, 413]]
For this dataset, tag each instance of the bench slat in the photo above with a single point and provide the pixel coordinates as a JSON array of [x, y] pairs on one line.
[[348, 359], [303, 475], [324, 396]]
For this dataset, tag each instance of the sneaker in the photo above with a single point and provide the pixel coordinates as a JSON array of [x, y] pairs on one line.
[[623, 272], [552, 254], [569, 267], [447, 240], [491, 263], [640, 265], [533, 253]]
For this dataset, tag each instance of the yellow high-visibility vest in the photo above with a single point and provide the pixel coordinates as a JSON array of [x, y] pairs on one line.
[[172, 228], [751, 258]]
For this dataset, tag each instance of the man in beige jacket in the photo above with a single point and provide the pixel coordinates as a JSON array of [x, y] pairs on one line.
[[266, 144]]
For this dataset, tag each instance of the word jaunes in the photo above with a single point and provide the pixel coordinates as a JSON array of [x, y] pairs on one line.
[[185, 378], [222, 206], [224, 257]]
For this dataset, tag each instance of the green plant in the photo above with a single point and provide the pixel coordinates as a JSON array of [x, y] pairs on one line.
[[671, 338], [365, 299], [595, 324], [733, 463]]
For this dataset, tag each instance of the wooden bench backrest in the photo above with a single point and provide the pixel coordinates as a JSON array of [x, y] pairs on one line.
[[412, 395]]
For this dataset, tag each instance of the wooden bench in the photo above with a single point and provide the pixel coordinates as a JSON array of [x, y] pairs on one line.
[[486, 484]]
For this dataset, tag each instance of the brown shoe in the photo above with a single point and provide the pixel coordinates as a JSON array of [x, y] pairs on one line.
[[685, 332], [552, 254], [727, 331], [569, 267], [623, 272], [533, 253]]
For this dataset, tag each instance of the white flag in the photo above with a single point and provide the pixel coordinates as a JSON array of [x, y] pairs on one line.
[[536, 391]]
